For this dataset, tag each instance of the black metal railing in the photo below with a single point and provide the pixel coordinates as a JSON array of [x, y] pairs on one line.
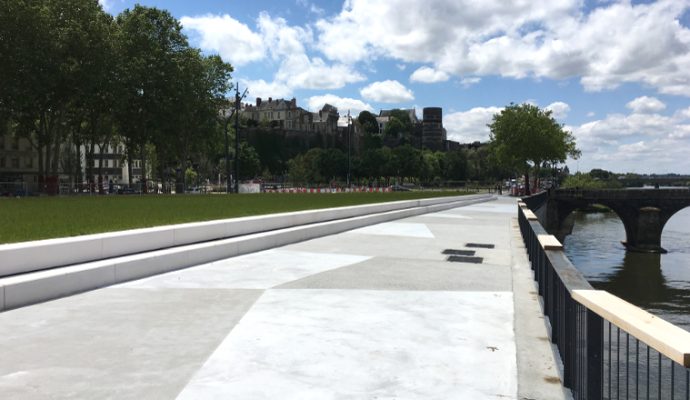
[[600, 359]]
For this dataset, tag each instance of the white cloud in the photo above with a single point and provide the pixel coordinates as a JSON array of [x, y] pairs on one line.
[[467, 82], [428, 75], [388, 91], [231, 39], [299, 71], [646, 105], [263, 89], [605, 46], [559, 110], [641, 141], [313, 8], [286, 45], [342, 103], [470, 126]]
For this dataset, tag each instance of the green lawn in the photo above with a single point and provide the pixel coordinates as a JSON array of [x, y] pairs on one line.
[[24, 219]]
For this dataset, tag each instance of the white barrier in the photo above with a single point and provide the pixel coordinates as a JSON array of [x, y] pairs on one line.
[[21, 290], [43, 254]]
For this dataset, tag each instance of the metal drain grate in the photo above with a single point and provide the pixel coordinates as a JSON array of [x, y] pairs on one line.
[[459, 252], [465, 259], [480, 245]]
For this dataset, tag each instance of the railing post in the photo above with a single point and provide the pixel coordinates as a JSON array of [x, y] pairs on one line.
[[569, 341], [595, 346]]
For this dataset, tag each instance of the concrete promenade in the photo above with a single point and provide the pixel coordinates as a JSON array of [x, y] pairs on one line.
[[373, 313]]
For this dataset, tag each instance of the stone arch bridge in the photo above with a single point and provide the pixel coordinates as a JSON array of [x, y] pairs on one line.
[[644, 212]]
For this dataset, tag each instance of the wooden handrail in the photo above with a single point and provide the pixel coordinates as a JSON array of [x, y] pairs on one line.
[[529, 214], [663, 336], [549, 242]]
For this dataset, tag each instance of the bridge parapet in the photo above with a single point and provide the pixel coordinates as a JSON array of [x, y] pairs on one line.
[[601, 338], [622, 194]]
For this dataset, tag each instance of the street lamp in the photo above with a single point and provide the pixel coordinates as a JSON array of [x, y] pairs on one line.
[[349, 135], [238, 98], [227, 158]]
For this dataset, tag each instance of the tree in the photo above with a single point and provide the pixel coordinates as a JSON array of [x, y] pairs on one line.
[[150, 41], [455, 165], [368, 122], [406, 161], [524, 137], [250, 166], [51, 56]]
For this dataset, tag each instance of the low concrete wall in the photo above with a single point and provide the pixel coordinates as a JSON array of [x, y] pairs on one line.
[[43, 254], [31, 288]]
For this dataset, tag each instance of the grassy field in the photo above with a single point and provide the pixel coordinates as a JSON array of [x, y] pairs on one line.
[[24, 219]]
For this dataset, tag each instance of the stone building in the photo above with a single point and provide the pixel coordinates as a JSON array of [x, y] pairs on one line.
[[285, 114], [385, 116]]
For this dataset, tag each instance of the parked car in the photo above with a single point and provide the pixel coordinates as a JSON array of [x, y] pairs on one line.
[[127, 190]]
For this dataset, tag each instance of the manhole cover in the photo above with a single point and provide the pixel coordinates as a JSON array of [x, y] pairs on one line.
[[480, 245], [465, 259], [459, 252]]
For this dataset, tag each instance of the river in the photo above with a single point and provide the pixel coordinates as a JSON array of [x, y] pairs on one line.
[[659, 283]]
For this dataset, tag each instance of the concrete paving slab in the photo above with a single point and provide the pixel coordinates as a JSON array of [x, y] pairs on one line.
[[404, 229], [114, 343], [345, 344], [260, 270], [406, 274]]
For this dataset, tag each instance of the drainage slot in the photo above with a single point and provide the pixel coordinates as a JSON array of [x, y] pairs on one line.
[[458, 252], [465, 259], [480, 245]]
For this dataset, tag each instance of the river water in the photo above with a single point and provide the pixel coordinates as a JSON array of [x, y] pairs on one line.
[[659, 283]]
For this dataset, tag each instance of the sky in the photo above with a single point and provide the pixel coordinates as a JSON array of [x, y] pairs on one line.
[[614, 73]]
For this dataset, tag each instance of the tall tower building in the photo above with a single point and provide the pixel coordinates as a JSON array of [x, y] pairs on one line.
[[433, 133]]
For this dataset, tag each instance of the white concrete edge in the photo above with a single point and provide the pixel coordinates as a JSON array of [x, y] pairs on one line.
[[23, 290], [43, 254]]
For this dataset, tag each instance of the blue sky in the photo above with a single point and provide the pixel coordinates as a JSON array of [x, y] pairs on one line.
[[615, 73]]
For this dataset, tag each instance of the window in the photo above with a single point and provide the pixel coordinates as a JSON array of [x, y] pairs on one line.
[[15, 144], [278, 114], [2, 143], [29, 162], [2, 162], [15, 163]]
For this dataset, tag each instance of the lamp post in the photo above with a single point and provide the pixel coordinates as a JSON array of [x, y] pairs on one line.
[[227, 158], [349, 136], [238, 98]]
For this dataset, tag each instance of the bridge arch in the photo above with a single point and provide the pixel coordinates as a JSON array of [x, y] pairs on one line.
[[644, 213]]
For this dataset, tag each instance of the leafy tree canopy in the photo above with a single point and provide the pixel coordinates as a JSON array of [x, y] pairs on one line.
[[524, 137]]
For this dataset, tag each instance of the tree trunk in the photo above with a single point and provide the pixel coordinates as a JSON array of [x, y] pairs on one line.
[[143, 169], [527, 189], [78, 178], [129, 165]]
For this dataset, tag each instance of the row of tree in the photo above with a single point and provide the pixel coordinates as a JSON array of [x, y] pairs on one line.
[[72, 74], [381, 166]]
